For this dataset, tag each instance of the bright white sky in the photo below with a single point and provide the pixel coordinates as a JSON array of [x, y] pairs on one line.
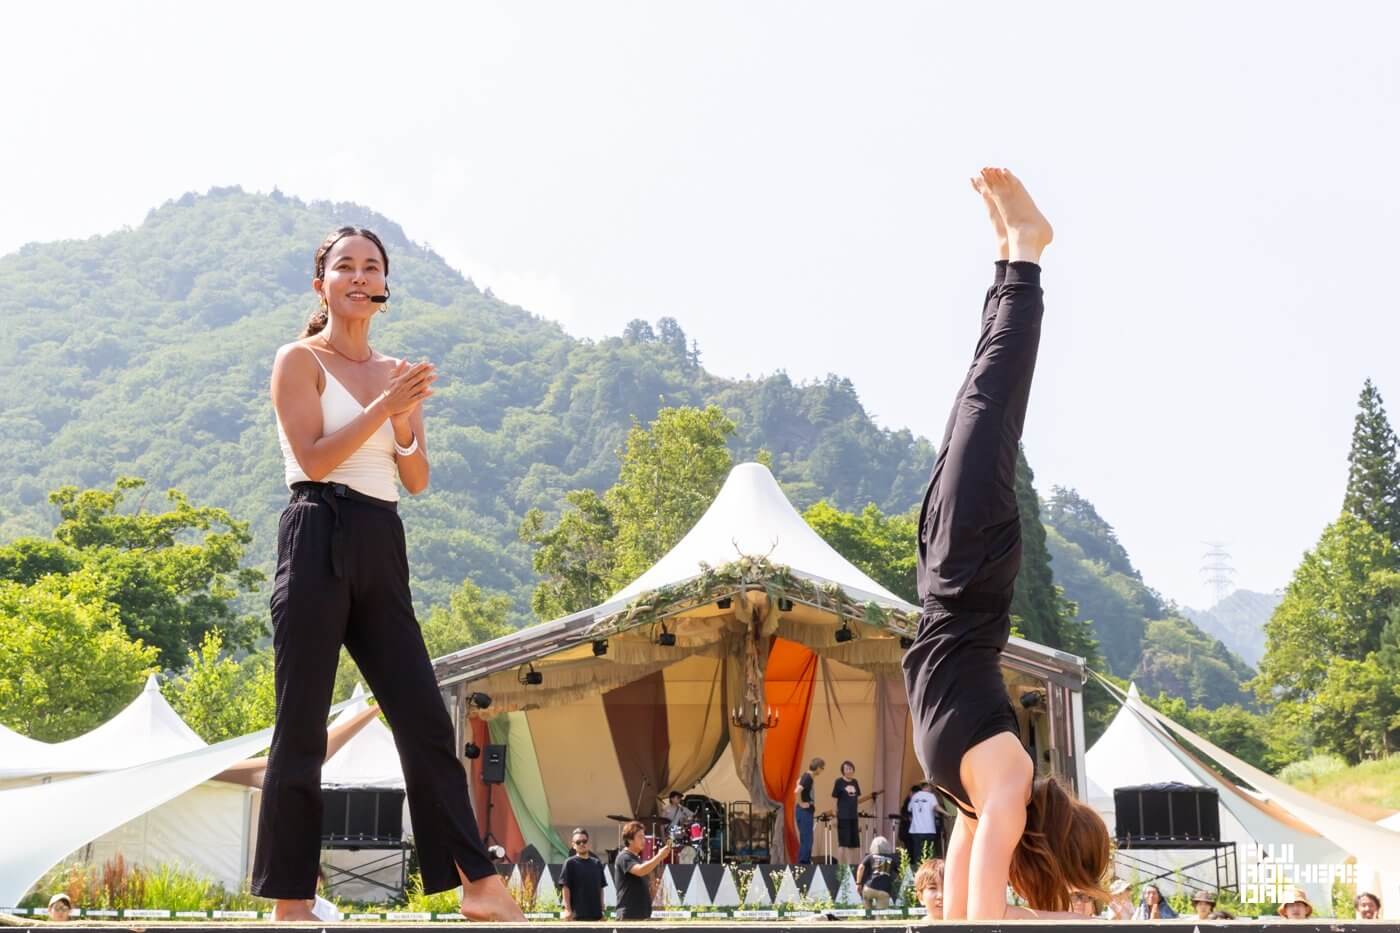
[[788, 180]]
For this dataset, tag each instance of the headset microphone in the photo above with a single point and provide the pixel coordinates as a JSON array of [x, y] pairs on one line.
[[380, 299]]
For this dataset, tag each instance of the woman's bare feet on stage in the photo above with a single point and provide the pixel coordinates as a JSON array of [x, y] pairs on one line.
[[1027, 230], [488, 899], [294, 911], [1003, 244]]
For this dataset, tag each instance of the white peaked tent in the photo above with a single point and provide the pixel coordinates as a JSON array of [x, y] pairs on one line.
[[148, 729], [1138, 749], [752, 516], [204, 829]]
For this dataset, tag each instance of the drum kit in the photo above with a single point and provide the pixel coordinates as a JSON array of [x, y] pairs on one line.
[[690, 840]]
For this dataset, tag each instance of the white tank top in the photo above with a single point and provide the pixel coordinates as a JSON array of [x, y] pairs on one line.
[[371, 470]]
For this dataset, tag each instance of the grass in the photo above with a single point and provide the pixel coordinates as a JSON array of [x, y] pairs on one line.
[[1370, 790]]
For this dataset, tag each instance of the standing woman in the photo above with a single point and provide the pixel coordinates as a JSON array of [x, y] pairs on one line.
[[1013, 828], [350, 422], [846, 791]]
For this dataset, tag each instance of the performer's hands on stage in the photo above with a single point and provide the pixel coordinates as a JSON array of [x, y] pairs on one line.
[[409, 385]]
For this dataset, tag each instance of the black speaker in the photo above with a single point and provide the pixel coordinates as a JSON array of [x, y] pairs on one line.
[[493, 765], [362, 815], [1166, 814]]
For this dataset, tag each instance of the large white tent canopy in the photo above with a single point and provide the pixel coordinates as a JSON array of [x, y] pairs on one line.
[[1141, 746], [148, 729]]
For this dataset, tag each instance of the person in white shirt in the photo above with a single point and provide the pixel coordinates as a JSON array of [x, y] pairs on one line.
[[925, 840]]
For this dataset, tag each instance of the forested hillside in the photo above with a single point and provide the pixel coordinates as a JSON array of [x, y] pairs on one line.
[[147, 352], [1142, 636]]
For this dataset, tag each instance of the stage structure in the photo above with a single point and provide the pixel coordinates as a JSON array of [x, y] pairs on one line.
[[750, 648]]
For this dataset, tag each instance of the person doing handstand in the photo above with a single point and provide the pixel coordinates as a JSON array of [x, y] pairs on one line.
[[1014, 828]]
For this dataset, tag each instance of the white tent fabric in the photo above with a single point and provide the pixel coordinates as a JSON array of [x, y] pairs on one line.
[[204, 830], [370, 759], [1391, 823], [15, 747], [1375, 850], [45, 822], [148, 729], [751, 516], [1131, 752]]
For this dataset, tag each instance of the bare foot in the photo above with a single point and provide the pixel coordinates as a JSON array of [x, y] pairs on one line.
[[489, 899], [1028, 232], [294, 911], [1003, 245]]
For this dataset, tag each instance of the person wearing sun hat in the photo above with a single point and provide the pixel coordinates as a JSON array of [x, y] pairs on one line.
[[1204, 902], [1297, 907], [1120, 901], [60, 907]]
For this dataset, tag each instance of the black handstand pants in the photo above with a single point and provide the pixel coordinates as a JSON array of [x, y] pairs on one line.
[[970, 538], [342, 577]]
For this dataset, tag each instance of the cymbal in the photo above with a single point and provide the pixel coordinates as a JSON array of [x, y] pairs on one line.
[[619, 819]]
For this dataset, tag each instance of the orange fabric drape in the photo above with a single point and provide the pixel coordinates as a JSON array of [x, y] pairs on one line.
[[788, 685], [503, 825]]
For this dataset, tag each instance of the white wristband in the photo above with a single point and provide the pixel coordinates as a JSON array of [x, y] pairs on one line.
[[408, 451]]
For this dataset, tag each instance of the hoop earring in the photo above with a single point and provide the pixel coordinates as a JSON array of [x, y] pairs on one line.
[[325, 308], [384, 308]]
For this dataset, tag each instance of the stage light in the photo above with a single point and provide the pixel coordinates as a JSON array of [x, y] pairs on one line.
[[600, 647], [724, 602], [472, 751], [906, 642], [784, 604], [531, 677], [844, 634], [665, 638], [478, 700], [1033, 699]]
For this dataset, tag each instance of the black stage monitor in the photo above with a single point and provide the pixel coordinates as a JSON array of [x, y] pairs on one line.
[[366, 815], [493, 765], [1166, 815]]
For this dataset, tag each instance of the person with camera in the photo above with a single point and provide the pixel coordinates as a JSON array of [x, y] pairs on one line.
[[636, 887]]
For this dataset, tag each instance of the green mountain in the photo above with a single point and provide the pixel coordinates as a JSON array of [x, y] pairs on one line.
[[1142, 636], [147, 352], [1238, 620]]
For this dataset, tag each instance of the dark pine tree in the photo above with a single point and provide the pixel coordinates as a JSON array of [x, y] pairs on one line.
[[1373, 468]]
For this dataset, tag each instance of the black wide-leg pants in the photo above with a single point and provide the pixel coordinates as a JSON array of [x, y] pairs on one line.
[[342, 578], [970, 538]]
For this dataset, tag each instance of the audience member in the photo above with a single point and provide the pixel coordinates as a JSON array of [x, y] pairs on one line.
[[1120, 901], [1297, 907], [1368, 906], [60, 908], [1153, 906], [928, 887]]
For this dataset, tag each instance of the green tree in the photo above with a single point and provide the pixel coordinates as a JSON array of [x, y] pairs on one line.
[[885, 547], [1334, 608], [1373, 468], [472, 617], [220, 698], [575, 558], [168, 590], [1243, 732], [671, 472], [1356, 711], [66, 664]]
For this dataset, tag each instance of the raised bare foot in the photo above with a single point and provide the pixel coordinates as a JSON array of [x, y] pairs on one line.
[[488, 899], [1003, 245], [1027, 230], [294, 912]]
